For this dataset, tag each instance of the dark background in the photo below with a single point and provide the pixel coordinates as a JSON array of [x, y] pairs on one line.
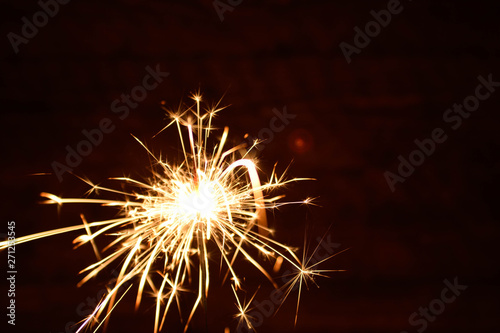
[[357, 118]]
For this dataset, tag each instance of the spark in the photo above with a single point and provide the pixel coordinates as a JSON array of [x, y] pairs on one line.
[[169, 224], [243, 309], [306, 271]]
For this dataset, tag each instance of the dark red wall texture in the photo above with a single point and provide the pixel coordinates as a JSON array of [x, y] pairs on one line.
[[354, 122]]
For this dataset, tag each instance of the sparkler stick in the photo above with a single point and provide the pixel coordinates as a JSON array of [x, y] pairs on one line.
[[168, 221]]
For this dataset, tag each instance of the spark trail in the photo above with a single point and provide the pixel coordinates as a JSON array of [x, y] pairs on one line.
[[168, 223]]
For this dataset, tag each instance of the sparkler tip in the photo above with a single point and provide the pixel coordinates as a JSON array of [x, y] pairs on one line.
[[168, 225]]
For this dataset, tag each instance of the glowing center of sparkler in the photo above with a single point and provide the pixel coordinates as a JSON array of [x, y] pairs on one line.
[[199, 202]]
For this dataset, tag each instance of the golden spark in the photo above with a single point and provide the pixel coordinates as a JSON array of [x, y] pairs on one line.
[[168, 223], [306, 271]]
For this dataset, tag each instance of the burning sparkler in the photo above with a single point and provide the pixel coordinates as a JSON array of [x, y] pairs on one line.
[[167, 222]]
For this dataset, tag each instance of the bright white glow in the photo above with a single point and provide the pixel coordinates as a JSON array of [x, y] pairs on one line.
[[198, 203]]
